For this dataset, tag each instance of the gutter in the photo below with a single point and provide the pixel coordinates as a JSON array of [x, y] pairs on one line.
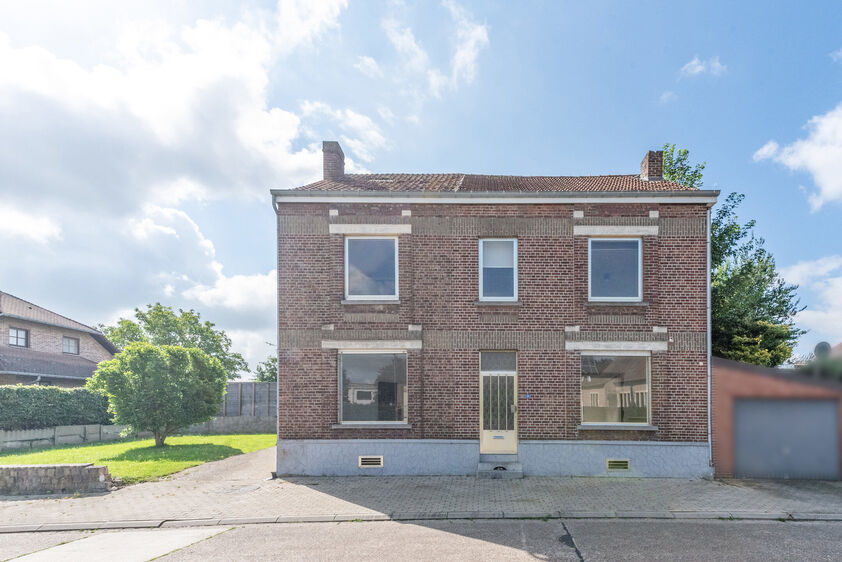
[[498, 197], [39, 375], [710, 343]]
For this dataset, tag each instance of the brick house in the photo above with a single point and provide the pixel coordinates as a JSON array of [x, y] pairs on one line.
[[43, 347], [458, 324]]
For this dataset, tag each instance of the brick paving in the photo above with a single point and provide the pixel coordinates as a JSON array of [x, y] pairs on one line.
[[238, 489]]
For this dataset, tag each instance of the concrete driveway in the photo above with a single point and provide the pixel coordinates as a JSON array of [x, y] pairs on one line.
[[239, 490]]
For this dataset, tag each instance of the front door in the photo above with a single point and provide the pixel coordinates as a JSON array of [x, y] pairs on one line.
[[498, 412]]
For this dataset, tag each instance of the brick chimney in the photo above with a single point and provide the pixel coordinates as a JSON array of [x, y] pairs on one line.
[[334, 160], [652, 167]]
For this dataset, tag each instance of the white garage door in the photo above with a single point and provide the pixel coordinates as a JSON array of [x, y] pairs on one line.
[[786, 439]]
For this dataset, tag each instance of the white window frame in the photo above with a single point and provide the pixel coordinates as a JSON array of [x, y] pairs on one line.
[[515, 272], [17, 337], [351, 297], [648, 355], [78, 345], [371, 352], [639, 296]]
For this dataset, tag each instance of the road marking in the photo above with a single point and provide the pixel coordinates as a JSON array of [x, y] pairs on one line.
[[126, 546]]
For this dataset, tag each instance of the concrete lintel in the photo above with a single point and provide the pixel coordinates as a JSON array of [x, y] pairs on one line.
[[614, 230], [616, 345], [370, 228], [371, 344]]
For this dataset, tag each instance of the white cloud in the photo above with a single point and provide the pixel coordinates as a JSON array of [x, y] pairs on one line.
[[471, 39], [301, 21], [238, 292], [822, 279], [20, 224], [805, 272], [819, 154], [668, 96], [361, 135], [385, 114], [836, 55], [697, 66], [368, 66], [766, 151], [110, 154]]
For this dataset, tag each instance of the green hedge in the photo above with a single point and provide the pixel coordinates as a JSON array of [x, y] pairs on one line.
[[34, 407]]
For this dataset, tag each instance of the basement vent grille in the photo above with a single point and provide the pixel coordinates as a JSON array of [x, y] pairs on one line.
[[371, 462], [617, 464]]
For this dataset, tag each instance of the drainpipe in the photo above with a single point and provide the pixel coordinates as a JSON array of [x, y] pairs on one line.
[[710, 342]]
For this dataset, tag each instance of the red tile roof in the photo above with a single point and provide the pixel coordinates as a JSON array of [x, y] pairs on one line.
[[483, 183]]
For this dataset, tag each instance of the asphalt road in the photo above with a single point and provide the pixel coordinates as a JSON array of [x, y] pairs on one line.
[[572, 539]]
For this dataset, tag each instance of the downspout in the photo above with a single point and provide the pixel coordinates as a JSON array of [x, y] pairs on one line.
[[710, 343], [275, 206]]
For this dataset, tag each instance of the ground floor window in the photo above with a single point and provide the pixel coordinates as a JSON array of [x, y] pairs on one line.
[[372, 387], [615, 388]]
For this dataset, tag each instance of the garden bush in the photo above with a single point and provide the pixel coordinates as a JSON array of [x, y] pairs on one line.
[[35, 407]]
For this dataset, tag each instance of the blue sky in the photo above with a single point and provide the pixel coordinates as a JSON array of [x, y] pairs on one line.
[[139, 143]]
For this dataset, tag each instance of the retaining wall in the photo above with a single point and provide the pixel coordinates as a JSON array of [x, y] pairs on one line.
[[33, 479]]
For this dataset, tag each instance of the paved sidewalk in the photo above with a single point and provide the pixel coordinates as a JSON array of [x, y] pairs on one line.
[[237, 490]]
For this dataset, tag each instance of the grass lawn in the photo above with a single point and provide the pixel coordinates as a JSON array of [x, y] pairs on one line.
[[137, 460]]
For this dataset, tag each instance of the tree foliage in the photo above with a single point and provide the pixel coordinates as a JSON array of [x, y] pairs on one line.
[[161, 325], [160, 388], [267, 371], [752, 307], [677, 167]]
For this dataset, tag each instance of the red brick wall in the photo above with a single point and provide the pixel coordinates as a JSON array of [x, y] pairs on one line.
[[732, 381], [439, 290]]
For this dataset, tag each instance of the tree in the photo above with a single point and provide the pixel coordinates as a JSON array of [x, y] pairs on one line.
[[752, 307], [267, 371], [161, 325], [677, 167], [160, 388]]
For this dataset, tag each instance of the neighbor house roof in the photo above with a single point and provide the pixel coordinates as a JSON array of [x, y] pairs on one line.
[[16, 307], [29, 362], [452, 183]]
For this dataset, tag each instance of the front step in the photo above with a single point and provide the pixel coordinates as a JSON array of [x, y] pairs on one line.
[[500, 470]]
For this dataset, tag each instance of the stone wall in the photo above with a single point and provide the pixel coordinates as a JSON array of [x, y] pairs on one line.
[[35, 479]]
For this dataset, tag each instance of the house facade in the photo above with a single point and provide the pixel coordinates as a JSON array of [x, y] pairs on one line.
[[462, 324], [42, 347]]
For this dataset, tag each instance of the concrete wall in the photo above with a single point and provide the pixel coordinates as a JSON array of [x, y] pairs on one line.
[[339, 457], [35, 479], [76, 434]]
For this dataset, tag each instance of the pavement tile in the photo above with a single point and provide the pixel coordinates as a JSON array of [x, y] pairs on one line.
[[529, 514], [236, 491]]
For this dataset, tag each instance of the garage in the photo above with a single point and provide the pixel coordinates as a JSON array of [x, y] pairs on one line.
[[774, 423], [786, 438]]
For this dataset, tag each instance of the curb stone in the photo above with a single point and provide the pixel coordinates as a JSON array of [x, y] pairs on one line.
[[419, 516]]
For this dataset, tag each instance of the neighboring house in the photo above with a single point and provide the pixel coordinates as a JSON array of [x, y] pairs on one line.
[[549, 325], [39, 346], [775, 423], [836, 351]]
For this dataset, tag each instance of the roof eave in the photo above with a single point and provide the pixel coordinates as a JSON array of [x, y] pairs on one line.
[[327, 196]]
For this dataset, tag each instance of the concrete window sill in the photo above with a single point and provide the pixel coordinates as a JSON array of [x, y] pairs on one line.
[[498, 303], [371, 426], [616, 303], [347, 301], [616, 427]]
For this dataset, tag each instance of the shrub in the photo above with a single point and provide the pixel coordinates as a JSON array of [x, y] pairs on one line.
[[161, 388], [35, 407]]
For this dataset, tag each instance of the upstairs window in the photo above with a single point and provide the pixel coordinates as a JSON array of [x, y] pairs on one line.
[[70, 345], [498, 269], [18, 337], [615, 269], [371, 268]]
